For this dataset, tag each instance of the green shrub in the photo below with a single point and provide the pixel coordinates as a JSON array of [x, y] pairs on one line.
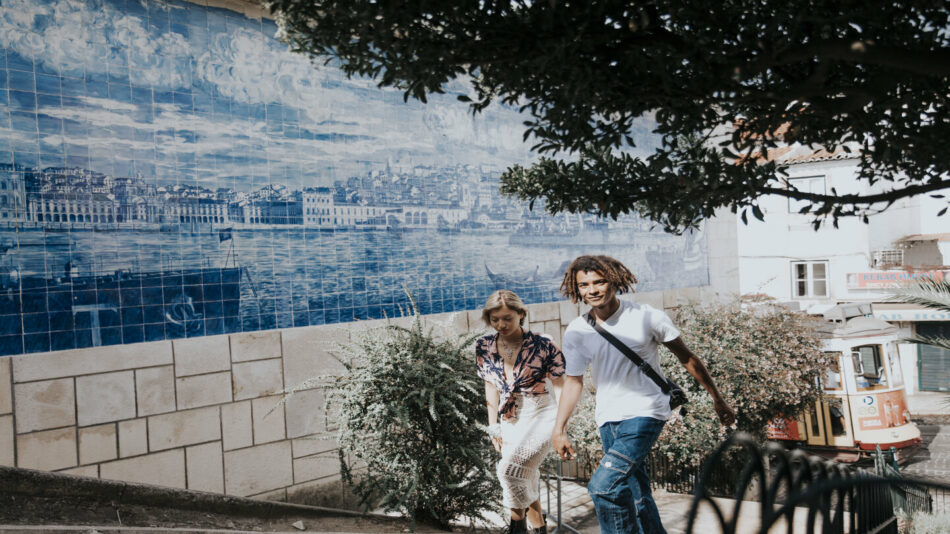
[[930, 524], [410, 411], [765, 360]]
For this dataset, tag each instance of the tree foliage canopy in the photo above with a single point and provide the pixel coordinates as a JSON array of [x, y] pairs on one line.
[[868, 77]]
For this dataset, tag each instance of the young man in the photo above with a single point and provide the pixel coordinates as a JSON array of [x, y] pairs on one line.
[[630, 408]]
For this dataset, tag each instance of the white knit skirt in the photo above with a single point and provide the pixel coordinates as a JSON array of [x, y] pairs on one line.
[[525, 442]]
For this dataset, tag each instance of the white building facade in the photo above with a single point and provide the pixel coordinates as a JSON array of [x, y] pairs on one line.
[[785, 258], [321, 210]]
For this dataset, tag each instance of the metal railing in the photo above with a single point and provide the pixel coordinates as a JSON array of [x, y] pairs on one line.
[[788, 487], [940, 500], [664, 474], [677, 478], [829, 497], [555, 479]]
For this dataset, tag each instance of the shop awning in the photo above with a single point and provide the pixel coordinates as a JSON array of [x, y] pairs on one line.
[[897, 311]]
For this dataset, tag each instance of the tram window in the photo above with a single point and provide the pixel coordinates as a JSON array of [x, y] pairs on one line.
[[832, 379], [869, 368], [836, 417], [813, 419]]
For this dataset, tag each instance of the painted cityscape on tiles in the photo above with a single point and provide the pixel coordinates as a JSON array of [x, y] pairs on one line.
[[169, 170]]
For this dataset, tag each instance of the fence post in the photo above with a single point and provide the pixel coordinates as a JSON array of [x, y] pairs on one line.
[[560, 521]]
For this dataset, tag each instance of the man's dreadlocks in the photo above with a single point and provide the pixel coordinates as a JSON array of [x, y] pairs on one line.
[[616, 274]]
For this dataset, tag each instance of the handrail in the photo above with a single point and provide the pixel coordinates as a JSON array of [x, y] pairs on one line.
[[558, 476], [837, 498]]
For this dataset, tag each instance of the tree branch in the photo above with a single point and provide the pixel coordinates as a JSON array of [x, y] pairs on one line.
[[888, 196], [925, 62]]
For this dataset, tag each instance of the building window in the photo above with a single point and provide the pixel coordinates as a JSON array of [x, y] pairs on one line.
[[887, 259], [812, 184], [810, 279]]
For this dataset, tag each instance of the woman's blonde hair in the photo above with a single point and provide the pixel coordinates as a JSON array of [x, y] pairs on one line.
[[503, 298]]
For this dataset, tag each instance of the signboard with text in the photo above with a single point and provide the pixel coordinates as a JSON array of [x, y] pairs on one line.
[[886, 279]]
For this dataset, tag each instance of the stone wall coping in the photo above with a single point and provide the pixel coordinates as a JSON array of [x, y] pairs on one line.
[[19, 481]]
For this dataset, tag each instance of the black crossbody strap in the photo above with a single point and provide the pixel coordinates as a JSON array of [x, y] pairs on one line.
[[644, 367]]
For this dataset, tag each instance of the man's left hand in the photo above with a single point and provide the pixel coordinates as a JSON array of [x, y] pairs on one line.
[[727, 416]]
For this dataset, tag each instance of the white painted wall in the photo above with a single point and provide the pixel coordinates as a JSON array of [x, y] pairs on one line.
[[722, 251], [767, 249], [908, 353]]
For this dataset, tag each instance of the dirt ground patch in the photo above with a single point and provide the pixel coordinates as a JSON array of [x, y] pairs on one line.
[[33, 510]]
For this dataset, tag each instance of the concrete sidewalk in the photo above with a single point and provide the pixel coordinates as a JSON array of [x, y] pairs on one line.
[[578, 513], [929, 404]]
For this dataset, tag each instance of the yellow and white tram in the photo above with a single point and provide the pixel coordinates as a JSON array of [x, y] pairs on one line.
[[863, 404]]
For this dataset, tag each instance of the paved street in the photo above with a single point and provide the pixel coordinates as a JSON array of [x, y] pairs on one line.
[[931, 410], [933, 458]]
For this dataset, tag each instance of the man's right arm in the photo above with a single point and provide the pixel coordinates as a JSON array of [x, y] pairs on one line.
[[570, 394]]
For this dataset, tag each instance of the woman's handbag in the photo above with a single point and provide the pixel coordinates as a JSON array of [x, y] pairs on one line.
[[677, 396]]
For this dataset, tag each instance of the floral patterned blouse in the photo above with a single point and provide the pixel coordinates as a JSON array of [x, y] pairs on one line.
[[539, 359]]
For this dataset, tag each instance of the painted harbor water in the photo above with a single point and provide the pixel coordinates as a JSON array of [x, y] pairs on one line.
[[292, 277]]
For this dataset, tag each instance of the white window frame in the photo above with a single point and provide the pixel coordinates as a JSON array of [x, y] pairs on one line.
[[809, 279], [805, 184]]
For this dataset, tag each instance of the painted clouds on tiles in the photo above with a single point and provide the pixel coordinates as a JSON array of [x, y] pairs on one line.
[[324, 127], [70, 35]]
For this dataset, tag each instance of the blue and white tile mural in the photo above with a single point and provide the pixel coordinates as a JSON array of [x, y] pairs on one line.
[[169, 170]]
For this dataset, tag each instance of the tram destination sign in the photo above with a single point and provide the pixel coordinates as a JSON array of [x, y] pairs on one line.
[[886, 279]]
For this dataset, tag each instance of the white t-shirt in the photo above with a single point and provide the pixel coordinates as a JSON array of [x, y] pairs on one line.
[[623, 391]]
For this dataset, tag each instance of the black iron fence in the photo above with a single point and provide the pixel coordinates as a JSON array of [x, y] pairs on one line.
[[940, 497], [909, 497], [792, 487], [664, 474], [824, 496], [677, 478]]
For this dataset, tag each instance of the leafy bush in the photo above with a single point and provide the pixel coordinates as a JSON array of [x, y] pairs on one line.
[[930, 524], [410, 410], [765, 360]]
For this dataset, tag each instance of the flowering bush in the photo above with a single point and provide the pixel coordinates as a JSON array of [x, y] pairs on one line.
[[410, 411], [764, 359]]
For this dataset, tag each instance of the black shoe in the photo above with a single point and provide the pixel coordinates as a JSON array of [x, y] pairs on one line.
[[519, 526], [543, 529]]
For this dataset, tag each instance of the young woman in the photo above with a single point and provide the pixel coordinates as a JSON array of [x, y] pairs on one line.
[[514, 364]]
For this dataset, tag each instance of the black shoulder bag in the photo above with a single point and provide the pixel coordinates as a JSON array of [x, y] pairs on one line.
[[677, 396]]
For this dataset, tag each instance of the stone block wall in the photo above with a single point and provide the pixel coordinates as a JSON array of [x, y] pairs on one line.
[[201, 413]]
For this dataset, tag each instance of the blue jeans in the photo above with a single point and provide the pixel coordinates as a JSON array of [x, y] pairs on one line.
[[620, 487]]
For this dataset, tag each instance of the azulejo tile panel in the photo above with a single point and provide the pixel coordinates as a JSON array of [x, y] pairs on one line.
[[169, 170]]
